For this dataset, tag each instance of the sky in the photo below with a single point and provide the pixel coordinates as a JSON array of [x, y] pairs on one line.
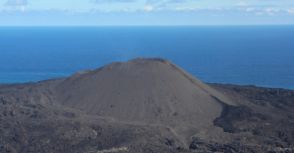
[[145, 12]]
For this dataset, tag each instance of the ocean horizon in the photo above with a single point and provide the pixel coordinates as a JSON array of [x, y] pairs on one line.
[[243, 55]]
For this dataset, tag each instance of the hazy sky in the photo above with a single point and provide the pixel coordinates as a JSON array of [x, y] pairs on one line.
[[146, 12]]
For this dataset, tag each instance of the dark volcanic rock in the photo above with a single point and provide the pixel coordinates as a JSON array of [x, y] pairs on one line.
[[233, 114]]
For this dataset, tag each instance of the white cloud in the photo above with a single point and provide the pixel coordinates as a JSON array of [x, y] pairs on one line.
[[186, 9], [250, 9], [271, 10], [242, 3], [16, 3], [148, 8], [112, 1], [290, 11]]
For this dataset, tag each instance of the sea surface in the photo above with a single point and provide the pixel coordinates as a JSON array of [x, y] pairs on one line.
[[246, 55]]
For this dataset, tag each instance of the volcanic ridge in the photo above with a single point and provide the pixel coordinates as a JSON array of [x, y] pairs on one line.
[[143, 105]]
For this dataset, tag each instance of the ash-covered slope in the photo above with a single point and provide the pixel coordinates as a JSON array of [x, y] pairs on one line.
[[143, 106], [145, 91]]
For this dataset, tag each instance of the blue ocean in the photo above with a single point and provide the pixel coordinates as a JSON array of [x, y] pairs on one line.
[[245, 55]]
